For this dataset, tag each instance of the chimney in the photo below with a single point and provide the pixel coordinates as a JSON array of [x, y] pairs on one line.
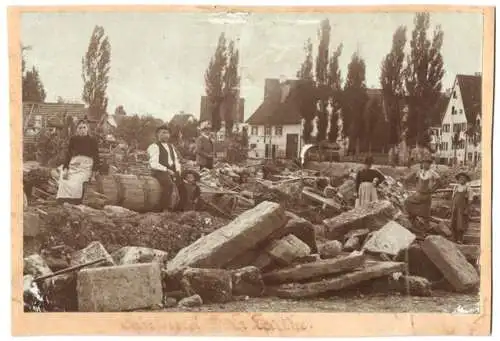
[[272, 88]]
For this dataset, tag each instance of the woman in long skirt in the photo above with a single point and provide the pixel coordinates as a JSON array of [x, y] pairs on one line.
[[367, 180], [419, 204], [80, 165]]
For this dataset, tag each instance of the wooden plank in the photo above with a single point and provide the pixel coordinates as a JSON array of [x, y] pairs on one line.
[[320, 268], [370, 271]]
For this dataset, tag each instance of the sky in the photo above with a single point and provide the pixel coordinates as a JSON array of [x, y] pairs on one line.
[[158, 60]]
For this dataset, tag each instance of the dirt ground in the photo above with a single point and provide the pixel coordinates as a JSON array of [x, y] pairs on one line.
[[440, 302]]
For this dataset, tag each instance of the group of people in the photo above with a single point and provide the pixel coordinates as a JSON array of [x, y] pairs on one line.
[[419, 204], [180, 190]]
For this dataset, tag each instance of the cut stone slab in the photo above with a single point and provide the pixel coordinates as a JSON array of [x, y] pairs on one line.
[[419, 264], [31, 224], [300, 228], [353, 243], [415, 286], [330, 249], [119, 288], [93, 252], [370, 271], [247, 281], [36, 266], [452, 263], [317, 269], [220, 247], [288, 249], [191, 301], [137, 255], [372, 216], [362, 233], [213, 285], [61, 291], [390, 239]]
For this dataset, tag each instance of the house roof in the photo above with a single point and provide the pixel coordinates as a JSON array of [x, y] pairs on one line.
[[438, 111], [54, 112], [273, 111], [470, 89]]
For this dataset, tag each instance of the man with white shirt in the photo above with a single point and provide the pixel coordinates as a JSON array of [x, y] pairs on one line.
[[164, 161]]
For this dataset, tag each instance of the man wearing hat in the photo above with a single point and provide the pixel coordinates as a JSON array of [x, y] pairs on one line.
[[462, 196], [419, 204], [164, 162], [205, 149]]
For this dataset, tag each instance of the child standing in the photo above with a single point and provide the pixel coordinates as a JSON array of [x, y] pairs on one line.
[[191, 191], [460, 207]]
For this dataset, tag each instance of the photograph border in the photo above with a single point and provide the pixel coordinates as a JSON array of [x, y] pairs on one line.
[[239, 323]]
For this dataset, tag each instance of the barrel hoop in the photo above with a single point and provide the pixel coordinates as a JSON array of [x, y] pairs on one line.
[[120, 191]]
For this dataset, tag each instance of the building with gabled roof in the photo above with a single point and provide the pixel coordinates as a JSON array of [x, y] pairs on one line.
[[463, 112]]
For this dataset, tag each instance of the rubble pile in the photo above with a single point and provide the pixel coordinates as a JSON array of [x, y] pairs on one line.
[[286, 236]]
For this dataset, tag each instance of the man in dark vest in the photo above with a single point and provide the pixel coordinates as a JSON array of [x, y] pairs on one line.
[[164, 161]]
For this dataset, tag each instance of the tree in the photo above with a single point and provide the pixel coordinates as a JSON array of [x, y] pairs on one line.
[[231, 86], [137, 131], [335, 87], [33, 89], [354, 101], [306, 92], [423, 76], [322, 78], [214, 82], [95, 73], [392, 83]]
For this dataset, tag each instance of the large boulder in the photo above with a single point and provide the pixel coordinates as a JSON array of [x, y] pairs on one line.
[[372, 216], [220, 247]]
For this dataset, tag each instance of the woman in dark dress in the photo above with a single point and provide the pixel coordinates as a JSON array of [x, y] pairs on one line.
[[80, 165], [366, 181]]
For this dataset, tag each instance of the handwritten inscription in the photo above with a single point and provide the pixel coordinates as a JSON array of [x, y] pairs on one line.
[[227, 322]]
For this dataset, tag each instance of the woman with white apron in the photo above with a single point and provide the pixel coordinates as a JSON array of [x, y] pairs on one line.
[[80, 165], [366, 181]]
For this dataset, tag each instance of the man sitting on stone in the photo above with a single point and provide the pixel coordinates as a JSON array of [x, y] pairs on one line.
[[164, 161]]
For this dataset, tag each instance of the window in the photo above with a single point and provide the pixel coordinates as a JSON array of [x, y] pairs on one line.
[[456, 128], [255, 130], [453, 110], [278, 130], [267, 131], [461, 111], [454, 94], [253, 146], [38, 121], [446, 128], [469, 156]]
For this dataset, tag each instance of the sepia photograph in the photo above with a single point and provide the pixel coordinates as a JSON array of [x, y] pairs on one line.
[[257, 160]]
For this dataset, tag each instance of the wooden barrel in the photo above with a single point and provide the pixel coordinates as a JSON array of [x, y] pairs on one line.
[[137, 193]]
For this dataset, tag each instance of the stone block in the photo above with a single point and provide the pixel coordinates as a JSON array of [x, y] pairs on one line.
[[213, 285], [372, 216], [452, 263], [220, 247], [390, 239], [287, 249], [94, 251], [138, 255], [119, 288], [247, 281]]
